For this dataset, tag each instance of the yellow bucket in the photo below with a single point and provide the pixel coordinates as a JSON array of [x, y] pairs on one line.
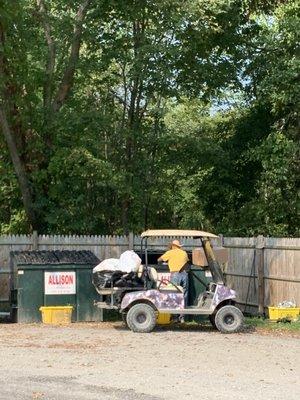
[[56, 314], [163, 319], [276, 313]]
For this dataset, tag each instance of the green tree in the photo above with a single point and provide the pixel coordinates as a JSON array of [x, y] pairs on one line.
[[119, 116], [32, 92]]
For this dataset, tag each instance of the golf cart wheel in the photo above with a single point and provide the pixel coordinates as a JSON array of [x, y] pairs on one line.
[[229, 319], [141, 318]]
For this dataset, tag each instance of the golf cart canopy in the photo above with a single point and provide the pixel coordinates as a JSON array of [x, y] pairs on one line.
[[177, 232]]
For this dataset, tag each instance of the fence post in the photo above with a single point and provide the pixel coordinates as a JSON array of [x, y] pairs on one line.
[[221, 236], [130, 240], [35, 240], [260, 244]]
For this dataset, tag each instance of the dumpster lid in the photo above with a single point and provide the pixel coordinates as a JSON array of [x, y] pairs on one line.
[[55, 257]]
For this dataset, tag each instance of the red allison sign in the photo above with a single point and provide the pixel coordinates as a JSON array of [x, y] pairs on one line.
[[60, 282]]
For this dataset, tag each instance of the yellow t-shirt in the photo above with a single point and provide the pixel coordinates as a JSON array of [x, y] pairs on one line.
[[176, 259]]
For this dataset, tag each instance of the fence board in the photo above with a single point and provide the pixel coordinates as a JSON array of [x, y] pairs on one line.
[[241, 273], [282, 273]]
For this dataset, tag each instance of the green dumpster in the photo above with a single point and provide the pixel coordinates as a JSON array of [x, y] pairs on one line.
[[53, 278]]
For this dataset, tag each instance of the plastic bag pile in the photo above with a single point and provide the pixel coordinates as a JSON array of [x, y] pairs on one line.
[[129, 261], [118, 272]]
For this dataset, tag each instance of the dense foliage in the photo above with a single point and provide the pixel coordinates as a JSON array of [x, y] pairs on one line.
[[122, 115]]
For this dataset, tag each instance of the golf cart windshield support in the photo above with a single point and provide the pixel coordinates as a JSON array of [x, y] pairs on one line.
[[216, 272], [144, 249]]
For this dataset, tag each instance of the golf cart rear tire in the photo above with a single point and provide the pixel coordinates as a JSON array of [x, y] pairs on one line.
[[229, 319], [141, 318]]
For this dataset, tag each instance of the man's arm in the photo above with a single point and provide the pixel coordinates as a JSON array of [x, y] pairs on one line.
[[164, 257]]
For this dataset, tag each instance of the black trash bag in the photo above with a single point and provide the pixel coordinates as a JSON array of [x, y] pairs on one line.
[[106, 279], [129, 280]]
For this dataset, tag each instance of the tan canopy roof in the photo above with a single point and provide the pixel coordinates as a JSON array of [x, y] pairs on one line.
[[177, 232]]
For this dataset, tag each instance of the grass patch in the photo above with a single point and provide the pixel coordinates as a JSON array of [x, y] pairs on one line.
[[266, 324]]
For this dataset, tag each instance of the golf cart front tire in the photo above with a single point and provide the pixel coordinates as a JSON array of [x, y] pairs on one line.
[[229, 319], [141, 318]]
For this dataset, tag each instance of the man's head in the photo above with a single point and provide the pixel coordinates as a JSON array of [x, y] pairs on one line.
[[176, 244]]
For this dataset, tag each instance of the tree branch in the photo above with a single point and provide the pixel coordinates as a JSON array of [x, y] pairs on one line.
[[50, 65], [68, 76]]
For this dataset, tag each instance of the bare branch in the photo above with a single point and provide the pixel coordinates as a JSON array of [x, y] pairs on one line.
[[68, 76], [118, 97]]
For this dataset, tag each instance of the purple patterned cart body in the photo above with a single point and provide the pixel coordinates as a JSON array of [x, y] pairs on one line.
[[223, 293], [165, 299], [162, 299]]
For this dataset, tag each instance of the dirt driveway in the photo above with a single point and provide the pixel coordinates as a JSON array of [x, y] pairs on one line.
[[106, 361]]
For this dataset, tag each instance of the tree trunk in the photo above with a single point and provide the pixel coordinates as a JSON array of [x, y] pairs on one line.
[[19, 169], [133, 120], [125, 212], [11, 140], [68, 76], [49, 72]]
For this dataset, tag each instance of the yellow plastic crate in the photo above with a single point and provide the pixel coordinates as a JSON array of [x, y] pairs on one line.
[[163, 319], [276, 313], [56, 315]]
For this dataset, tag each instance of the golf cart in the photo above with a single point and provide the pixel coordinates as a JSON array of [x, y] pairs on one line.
[[140, 305]]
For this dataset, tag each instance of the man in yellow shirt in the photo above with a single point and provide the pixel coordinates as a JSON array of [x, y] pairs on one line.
[[177, 261]]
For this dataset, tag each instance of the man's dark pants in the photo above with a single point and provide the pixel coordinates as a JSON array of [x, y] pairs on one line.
[[181, 279]]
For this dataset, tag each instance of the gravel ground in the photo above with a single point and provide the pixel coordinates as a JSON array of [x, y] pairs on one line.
[[106, 361]]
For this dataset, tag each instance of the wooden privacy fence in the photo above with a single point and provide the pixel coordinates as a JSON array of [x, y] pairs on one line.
[[263, 271]]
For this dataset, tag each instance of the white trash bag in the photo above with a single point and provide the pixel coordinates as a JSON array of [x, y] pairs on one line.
[[110, 264], [129, 261]]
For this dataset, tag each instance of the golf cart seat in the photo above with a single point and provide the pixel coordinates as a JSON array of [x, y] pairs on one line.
[[153, 275]]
